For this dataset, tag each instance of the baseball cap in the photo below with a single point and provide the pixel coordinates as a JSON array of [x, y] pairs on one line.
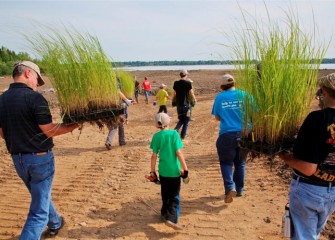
[[162, 85], [162, 120], [34, 67], [227, 79], [184, 71], [327, 81]]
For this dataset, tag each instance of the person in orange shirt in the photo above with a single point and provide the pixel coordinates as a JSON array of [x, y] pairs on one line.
[[146, 85]]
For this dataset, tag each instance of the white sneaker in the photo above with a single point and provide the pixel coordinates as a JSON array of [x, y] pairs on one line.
[[173, 225]]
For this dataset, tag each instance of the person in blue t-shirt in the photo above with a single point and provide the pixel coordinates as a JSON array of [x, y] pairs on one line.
[[227, 109]]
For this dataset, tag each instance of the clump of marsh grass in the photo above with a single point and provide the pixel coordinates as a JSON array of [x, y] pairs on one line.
[[279, 68], [81, 73], [127, 83]]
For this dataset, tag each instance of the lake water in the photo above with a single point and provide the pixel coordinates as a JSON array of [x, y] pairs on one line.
[[199, 67]]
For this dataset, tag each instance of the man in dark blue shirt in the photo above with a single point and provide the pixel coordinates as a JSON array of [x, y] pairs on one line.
[[27, 127]]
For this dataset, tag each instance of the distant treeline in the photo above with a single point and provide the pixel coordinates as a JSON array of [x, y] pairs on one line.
[[170, 63], [8, 58], [185, 63]]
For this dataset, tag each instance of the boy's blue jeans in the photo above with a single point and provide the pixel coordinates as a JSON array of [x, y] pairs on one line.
[[310, 207], [229, 156], [170, 190], [37, 172]]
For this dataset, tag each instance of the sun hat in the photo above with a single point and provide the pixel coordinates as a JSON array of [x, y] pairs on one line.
[[162, 120], [227, 79], [184, 72], [327, 81], [162, 85], [34, 67]]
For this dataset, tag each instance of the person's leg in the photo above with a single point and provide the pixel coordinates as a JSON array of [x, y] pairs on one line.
[[185, 121], [40, 170], [110, 136], [122, 139], [165, 196], [171, 187], [309, 209], [164, 108], [146, 93], [136, 96], [239, 171], [180, 119], [226, 149], [160, 109]]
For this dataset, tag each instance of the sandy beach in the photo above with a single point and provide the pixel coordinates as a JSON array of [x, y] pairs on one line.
[[103, 194]]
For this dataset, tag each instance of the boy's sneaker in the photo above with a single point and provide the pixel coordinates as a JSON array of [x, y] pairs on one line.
[[51, 233], [108, 146], [228, 197], [163, 217], [173, 225]]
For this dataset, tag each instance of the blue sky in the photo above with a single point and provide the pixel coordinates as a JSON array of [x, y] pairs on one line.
[[154, 30]]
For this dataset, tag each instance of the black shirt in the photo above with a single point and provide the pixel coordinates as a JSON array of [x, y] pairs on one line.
[[316, 144], [182, 88], [21, 111]]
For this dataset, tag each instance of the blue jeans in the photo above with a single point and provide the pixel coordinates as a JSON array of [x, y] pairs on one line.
[[184, 119], [229, 156], [37, 172], [170, 191], [310, 207], [146, 94]]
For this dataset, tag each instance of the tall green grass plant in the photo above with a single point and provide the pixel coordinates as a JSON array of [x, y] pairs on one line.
[[279, 68], [78, 68]]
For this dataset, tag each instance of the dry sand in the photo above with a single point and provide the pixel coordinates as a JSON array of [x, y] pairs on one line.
[[103, 194]]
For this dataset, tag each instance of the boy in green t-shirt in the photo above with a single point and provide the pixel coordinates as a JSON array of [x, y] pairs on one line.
[[162, 96], [167, 144]]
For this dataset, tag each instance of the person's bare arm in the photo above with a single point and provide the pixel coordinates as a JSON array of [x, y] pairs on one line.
[[124, 98], [153, 162], [181, 158], [55, 129], [305, 168], [192, 95], [1, 133]]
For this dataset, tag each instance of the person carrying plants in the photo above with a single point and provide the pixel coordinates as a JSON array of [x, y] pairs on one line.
[[27, 127], [137, 89], [119, 124], [182, 92], [168, 144], [162, 96], [312, 189], [192, 103], [146, 85], [227, 109]]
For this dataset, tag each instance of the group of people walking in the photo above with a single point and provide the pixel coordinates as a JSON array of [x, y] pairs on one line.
[[27, 127]]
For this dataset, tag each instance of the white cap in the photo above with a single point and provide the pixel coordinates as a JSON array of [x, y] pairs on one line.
[[184, 72], [34, 67], [162, 120]]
